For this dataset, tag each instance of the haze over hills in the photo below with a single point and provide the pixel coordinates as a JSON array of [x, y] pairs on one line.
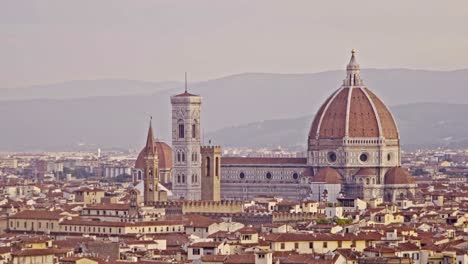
[[85, 88], [115, 114], [421, 125]]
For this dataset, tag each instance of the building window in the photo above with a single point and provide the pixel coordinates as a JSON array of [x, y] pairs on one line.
[[208, 167], [178, 156], [181, 131], [331, 156], [325, 244], [296, 245], [217, 166], [196, 251], [194, 130], [268, 175], [183, 156], [363, 157], [311, 244], [282, 245], [178, 178], [295, 176], [183, 178], [242, 175]]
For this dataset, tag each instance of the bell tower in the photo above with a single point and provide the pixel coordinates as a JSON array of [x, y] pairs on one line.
[[151, 177], [186, 143]]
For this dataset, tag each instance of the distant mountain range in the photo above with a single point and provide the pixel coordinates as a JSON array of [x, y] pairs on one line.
[[114, 113], [421, 125]]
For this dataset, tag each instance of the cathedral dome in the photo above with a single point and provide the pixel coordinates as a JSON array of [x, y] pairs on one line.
[[328, 175], [353, 111], [164, 153], [398, 175]]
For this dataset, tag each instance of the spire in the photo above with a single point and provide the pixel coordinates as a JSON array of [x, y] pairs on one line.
[[150, 139], [353, 69], [185, 82]]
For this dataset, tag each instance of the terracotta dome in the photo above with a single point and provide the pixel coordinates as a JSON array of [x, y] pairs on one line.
[[353, 111], [398, 175], [366, 172], [328, 175], [164, 156]]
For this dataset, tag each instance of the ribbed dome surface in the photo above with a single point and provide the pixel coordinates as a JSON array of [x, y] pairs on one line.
[[164, 153], [398, 175], [328, 175], [366, 172], [367, 116]]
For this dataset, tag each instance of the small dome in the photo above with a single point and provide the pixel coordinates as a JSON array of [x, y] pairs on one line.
[[398, 175], [164, 153], [328, 175], [366, 172]]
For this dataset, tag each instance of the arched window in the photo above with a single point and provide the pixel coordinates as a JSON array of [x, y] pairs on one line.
[[181, 128], [402, 196], [183, 156], [193, 178], [194, 130], [178, 156], [183, 178], [139, 175], [217, 166], [367, 181], [208, 167]]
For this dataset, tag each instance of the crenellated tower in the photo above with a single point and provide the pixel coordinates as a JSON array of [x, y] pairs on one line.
[[211, 173]]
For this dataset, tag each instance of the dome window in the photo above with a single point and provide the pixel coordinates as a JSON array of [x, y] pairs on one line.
[[268, 175], [331, 156], [363, 157], [242, 175], [295, 176]]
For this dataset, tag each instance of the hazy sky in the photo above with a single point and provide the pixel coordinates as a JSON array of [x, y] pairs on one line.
[[51, 41]]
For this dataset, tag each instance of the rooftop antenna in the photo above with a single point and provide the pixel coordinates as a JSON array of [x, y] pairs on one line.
[[185, 82]]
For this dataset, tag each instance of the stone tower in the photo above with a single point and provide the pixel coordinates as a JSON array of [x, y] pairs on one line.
[[186, 145], [151, 178], [211, 173]]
